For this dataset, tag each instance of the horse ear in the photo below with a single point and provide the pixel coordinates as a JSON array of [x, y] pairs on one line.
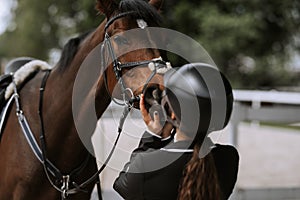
[[106, 7], [156, 3]]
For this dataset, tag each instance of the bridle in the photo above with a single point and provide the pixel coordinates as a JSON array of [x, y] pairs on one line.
[[65, 181], [158, 65]]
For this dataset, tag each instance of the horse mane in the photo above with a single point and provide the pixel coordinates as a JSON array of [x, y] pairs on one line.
[[69, 51], [142, 10]]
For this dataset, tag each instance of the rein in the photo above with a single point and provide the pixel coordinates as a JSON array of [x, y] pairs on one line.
[[41, 153], [65, 181], [118, 66]]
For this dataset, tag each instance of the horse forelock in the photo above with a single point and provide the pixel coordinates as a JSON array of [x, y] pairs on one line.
[[142, 10]]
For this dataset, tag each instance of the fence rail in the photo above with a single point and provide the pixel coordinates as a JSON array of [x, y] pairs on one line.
[[264, 106]]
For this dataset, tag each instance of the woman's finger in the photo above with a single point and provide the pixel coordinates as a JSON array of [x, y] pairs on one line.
[[144, 111]]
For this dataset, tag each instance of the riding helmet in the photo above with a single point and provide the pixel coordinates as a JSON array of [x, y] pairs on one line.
[[200, 96]]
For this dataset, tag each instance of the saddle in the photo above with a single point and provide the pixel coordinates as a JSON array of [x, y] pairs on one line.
[[19, 71], [5, 80], [7, 77]]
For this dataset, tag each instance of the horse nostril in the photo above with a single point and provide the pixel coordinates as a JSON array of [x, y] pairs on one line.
[[153, 97]]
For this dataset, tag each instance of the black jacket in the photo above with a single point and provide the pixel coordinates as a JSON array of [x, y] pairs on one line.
[[155, 169]]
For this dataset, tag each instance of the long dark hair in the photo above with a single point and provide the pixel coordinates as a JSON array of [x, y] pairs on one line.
[[200, 179]]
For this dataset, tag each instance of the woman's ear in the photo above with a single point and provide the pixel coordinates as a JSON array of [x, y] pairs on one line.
[[156, 3], [107, 7]]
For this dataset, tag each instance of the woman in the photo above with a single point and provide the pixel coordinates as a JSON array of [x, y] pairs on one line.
[[197, 100]]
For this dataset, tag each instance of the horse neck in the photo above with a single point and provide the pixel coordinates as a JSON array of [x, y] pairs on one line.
[[59, 100]]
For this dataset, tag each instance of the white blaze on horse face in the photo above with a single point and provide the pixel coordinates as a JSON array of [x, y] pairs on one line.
[[141, 23]]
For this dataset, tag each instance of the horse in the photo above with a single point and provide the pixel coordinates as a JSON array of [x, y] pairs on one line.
[[66, 168]]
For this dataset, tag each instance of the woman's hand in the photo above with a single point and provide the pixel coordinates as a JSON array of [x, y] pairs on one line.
[[154, 124]]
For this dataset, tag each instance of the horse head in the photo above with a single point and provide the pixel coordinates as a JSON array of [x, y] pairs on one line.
[[129, 51]]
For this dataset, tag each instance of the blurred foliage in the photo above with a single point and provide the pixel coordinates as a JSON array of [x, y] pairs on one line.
[[40, 26], [250, 41]]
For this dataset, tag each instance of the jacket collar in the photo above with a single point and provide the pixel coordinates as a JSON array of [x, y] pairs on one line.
[[185, 146], [179, 146]]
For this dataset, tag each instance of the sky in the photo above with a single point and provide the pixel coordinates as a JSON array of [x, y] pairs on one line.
[[5, 14]]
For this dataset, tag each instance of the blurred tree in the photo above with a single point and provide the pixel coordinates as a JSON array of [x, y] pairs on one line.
[[39, 26], [250, 41]]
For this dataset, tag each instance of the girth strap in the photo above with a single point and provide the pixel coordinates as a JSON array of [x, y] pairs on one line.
[[30, 137], [40, 153], [34, 145]]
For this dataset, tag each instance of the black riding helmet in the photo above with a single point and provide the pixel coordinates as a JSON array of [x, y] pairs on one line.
[[200, 96]]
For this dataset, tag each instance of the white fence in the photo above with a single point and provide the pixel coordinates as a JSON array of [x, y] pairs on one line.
[[270, 106], [264, 106], [255, 106]]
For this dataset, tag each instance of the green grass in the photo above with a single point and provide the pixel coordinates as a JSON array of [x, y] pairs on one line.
[[280, 125]]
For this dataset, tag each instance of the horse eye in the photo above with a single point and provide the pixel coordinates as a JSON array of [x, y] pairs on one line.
[[120, 40]]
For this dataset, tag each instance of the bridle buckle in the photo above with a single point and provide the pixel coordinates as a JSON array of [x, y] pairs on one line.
[[65, 186], [118, 66]]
